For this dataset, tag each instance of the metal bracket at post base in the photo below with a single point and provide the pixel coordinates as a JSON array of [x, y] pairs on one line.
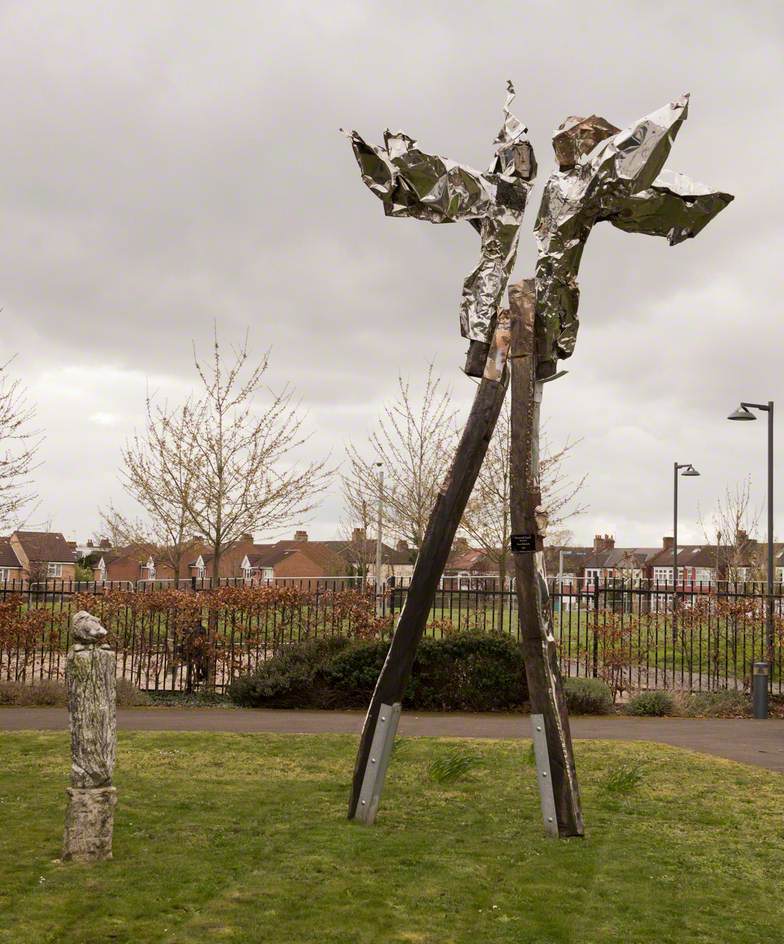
[[544, 776], [380, 753]]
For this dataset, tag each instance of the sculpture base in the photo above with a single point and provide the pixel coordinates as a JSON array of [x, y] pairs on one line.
[[89, 824]]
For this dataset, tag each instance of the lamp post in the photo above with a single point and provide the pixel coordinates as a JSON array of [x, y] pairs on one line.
[[686, 469], [379, 516], [744, 413]]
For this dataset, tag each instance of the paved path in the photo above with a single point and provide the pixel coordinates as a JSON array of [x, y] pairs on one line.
[[751, 742]]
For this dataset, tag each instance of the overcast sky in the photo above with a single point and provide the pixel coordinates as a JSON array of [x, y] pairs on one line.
[[170, 164]]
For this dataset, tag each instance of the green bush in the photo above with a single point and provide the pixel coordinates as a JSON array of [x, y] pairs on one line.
[[653, 704], [51, 693], [717, 705], [587, 696], [129, 696], [464, 672], [290, 679], [45, 693]]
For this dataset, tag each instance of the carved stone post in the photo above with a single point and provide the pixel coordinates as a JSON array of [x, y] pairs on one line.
[[92, 709]]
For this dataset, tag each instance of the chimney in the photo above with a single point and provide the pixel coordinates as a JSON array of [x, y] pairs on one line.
[[358, 535], [402, 546], [301, 536], [668, 543], [105, 544], [603, 542], [246, 539], [460, 545], [741, 537]]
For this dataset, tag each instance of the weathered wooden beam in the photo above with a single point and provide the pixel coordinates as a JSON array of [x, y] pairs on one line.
[[556, 772], [375, 745]]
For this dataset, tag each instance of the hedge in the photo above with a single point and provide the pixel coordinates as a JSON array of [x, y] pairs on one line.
[[465, 671]]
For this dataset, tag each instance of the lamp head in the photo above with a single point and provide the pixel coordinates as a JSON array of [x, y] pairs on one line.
[[690, 471], [742, 413]]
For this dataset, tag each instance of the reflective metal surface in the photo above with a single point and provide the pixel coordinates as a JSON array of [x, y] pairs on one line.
[[606, 174], [411, 183]]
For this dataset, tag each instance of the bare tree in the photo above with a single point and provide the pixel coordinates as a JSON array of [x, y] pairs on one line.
[[237, 453], [414, 440], [18, 447], [356, 530], [158, 472], [731, 529], [487, 518]]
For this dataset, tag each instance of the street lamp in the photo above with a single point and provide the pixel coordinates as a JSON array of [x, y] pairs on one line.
[[744, 413], [685, 469], [379, 584]]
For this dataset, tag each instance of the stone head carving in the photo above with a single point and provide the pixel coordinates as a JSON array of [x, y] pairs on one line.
[[87, 628]]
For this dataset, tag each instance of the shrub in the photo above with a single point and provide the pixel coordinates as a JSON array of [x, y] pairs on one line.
[[717, 705], [587, 696], [49, 692], [290, 678], [655, 704], [469, 671], [129, 696], [465, 672], [45, 693]]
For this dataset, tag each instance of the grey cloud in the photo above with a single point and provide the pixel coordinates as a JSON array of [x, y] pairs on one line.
[[169, 164]]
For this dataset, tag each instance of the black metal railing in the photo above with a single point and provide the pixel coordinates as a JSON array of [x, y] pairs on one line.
[[197, 635]]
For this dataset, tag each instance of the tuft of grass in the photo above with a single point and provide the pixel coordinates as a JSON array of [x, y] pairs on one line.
[[625, 778], [452, 766]]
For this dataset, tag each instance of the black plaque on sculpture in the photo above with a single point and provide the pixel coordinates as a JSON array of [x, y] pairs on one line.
[[523, 543]]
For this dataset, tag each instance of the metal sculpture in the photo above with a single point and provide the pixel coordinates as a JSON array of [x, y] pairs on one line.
[[423, 186], [604, 174]]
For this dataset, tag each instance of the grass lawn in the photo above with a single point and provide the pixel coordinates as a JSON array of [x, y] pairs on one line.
[[242, 838]]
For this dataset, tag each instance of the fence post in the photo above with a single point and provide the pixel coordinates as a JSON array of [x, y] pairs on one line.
[[595, 669]]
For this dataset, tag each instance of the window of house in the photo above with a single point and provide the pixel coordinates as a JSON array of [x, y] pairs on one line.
[[662, 574], [54, 570], [5, 574]]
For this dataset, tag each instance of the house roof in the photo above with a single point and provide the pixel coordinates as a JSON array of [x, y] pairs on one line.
[[7, 556], [705, 555], [622, 558], [573, 559], [352, 551], [468, 559], [267, 556], [46, 546]]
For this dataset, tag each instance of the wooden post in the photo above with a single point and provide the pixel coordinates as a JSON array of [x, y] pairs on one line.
[[92, 701], [378, 732], [555, 768]]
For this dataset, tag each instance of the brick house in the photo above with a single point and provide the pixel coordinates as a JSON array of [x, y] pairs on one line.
[[608, 562], [304, 558], [36, 556]]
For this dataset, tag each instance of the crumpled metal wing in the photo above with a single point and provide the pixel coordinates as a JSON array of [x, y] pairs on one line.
[[411, 183], [422, 186], [619, 179], [675, 206]]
